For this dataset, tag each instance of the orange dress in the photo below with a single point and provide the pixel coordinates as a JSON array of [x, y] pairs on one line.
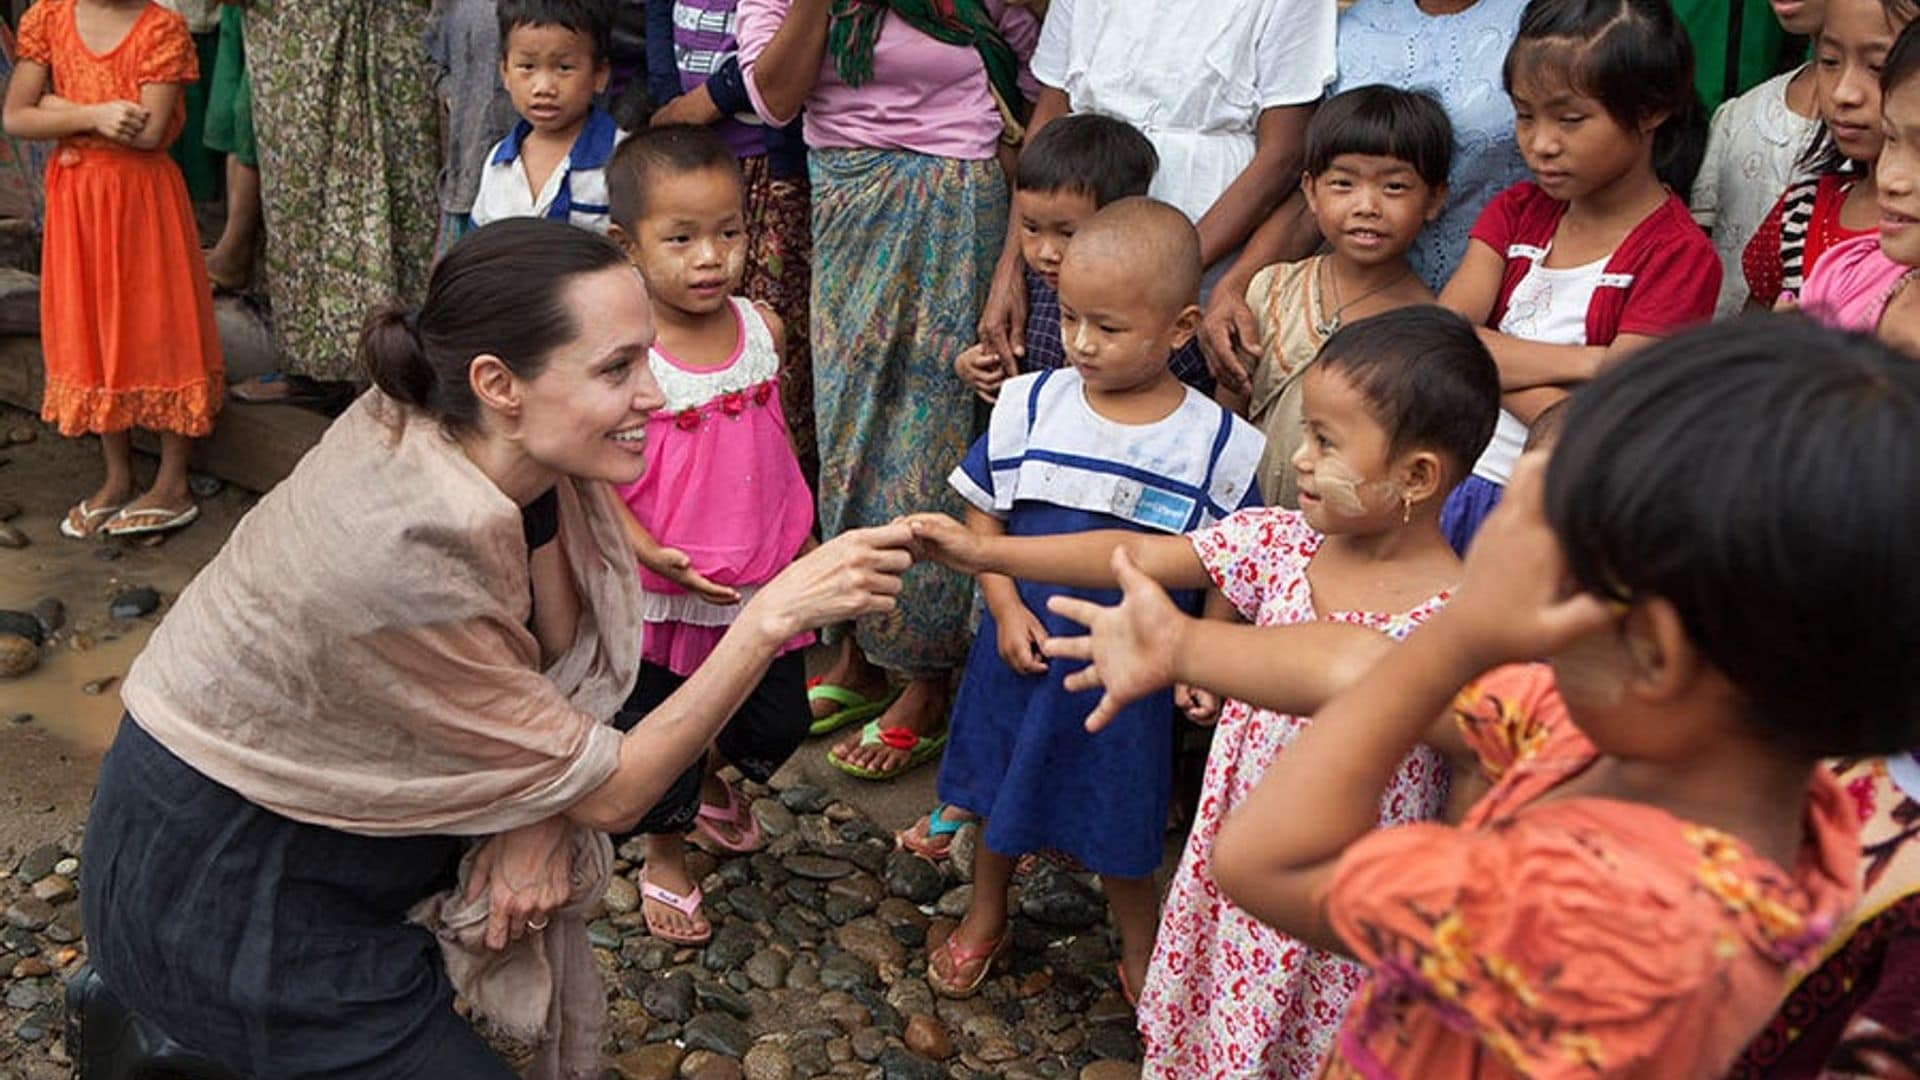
[[1578, 936], [126, 314]]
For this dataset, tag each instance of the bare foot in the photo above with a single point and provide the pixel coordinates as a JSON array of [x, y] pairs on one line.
[[666, 867], [921, 709]]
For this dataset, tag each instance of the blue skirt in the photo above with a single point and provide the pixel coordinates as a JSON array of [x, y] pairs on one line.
[[1469, 504], [1019, 754]]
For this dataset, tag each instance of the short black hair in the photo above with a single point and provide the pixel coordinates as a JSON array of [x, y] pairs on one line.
[[1762, 476], [1427, 378], [1902, 61], [1382, 121], [1106, 158], [1633, 57], [594, 18], [673, 148]]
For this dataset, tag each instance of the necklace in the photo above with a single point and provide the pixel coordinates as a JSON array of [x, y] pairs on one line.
[[1326, 325]]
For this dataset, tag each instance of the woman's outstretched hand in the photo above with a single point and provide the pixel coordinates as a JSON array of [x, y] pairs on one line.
[[1131, 646], [854, 574]]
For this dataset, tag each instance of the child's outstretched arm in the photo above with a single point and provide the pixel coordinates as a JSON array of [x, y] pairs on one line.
[[1082, 560], [1277, 853], [1020, 630]]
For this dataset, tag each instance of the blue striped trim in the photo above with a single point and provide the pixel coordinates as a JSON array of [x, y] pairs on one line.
[[1200, 496]]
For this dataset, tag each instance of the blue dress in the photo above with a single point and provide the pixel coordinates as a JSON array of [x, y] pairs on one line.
[[1458, 59], [1019, 754]]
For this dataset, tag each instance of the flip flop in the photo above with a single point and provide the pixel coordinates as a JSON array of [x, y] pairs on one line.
[[738, 816], [937, 827], [90, 519], [153, 519], [688, 905], [919, 749], [957, 957], [854, 706]]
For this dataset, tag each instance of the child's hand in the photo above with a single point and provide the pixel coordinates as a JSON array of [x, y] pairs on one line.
[[1200, 707], [1513, 601], [1131, 646], [1020, 638], [119, 120], [938, 538], [675, 565], [983, 371]]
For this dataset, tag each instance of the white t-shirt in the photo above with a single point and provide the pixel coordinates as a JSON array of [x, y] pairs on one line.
[[1549, 305], [1193, 75]]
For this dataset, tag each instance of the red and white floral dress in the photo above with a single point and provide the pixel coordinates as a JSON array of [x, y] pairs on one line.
[[1226, 995]]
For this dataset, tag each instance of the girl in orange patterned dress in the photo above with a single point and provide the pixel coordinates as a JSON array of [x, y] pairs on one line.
[[126, 315]]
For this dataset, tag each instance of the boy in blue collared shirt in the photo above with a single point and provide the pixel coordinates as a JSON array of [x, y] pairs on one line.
[[553, 61]]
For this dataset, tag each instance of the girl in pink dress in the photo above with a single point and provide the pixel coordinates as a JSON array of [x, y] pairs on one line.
[[722, 506]]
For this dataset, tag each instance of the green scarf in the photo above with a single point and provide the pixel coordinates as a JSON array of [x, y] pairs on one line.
[[855, 26]]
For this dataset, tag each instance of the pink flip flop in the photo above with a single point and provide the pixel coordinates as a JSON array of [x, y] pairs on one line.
[[738, 816], [688, 905]]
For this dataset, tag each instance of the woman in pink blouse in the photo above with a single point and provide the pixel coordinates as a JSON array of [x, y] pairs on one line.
[[908, 104]]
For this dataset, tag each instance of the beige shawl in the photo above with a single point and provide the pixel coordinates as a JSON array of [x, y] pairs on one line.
[[357, 657], [1285, 299]]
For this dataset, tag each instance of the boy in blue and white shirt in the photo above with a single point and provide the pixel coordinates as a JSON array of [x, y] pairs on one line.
[[553, 164]]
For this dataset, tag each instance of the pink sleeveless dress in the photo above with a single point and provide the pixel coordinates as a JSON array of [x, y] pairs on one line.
[[722, 485]]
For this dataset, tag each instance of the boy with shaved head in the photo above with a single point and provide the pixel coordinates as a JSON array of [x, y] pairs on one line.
[[1112, 441]]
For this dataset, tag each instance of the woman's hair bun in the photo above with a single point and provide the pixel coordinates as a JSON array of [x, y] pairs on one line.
[[395, 359]]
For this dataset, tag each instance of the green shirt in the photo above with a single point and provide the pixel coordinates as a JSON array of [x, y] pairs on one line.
[[1754, 57]]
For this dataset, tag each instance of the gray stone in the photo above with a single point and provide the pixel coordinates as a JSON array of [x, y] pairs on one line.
[[752, 903], [909, 876], [709, 995], [767, 1060], [900, 1063], [774, 818], [65, 929], [809, 1054], [954, 902], [660, 1061], [805, 799], [852, 897], [816, 867], [717, 1033], [39, 863], [768, 969], [603, 934], [18, 655], [29, 913], [911, 996], [669, 998], [874, 943], [730, 947], [845, 971], [50, 613], [30, 993], [19, 942], [68, 866], [133, 603], [868, 1043], [622, 896], [1115, 1042], [204, 486], [1061, 900], [647, 953], [22, 624], [54, 889]]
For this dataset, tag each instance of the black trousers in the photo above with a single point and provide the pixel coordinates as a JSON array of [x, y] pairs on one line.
[[768, 727]]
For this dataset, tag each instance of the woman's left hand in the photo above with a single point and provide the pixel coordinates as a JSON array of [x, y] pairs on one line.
[[527, 874], [1131, 646]]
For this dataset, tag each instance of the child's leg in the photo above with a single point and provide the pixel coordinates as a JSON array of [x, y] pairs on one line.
[[1136, 914], [230, 263], [665, 826], [959, 962], [117, 450], [169, 488], [763, 733]]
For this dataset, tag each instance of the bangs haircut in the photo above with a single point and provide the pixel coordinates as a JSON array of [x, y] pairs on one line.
[[1633, 57], [1902, 62], [1108, 159], [1762, 476], [1428, 381], [593, 18], [1382, 121], [675, 149]]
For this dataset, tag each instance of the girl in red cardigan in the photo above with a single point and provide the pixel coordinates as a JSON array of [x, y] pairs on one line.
[[1596, 255]]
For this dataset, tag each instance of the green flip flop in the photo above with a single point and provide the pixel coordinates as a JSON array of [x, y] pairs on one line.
[[920, 748], [854, 706]]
